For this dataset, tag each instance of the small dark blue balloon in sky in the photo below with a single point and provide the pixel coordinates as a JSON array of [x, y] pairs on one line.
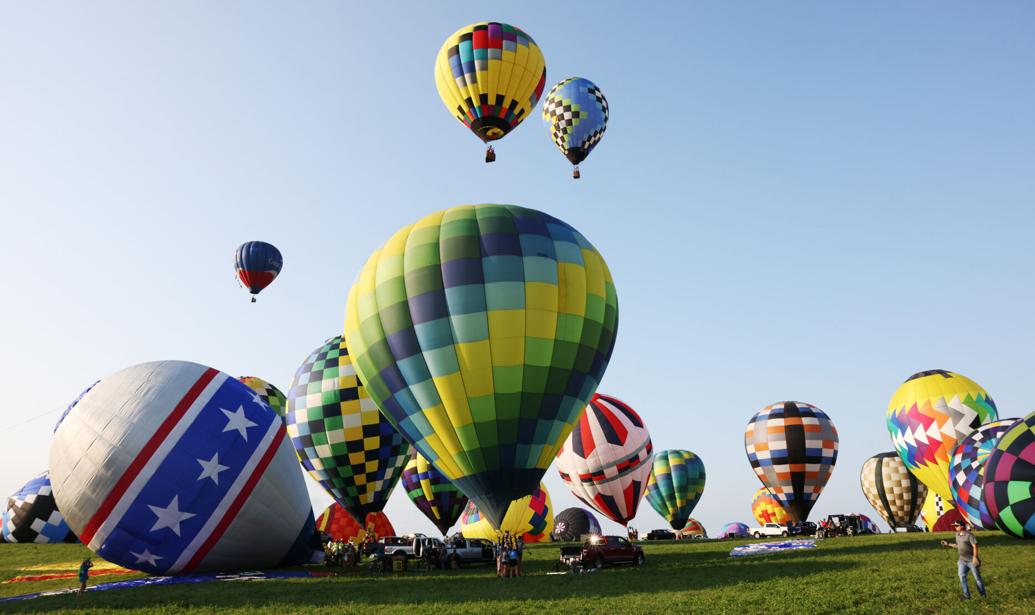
[[257, 264]]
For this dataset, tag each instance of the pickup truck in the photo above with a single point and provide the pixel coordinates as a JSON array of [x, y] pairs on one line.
[[395, 545], [610, 550], [459, 551], [769, 529]]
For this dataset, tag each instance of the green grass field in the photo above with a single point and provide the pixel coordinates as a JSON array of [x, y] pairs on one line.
[[871, 574]]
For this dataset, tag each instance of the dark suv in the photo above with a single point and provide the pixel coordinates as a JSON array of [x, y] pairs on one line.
[[610, 550]]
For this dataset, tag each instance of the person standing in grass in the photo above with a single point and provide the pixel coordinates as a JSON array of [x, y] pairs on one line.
[[84, 575], [967, 546]]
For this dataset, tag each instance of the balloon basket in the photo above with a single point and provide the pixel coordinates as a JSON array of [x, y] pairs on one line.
[[253, 299], [490, 155], [575, 174]]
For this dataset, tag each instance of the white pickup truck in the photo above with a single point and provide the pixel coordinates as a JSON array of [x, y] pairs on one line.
[[769, 529]]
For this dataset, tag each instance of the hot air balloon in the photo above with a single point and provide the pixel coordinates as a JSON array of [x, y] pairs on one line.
[[341, 438], [257, 263], [939, 514], [1010, 480], [72, 405], [573, 523], [31, 515], [676, 485], [928, 416], [336, 522], [767, 509], [482, 332], [267, 394], [734, 529], [693, 527], [530, 517], [792, 446], [432, 493], [967, 472], [172, 466], [892, 490], [577, 113], [490, 76], [868, 526], [606, 460]]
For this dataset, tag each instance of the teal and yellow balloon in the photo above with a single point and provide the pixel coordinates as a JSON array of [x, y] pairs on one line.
[[577, 113], [482, 332], [676, 485]]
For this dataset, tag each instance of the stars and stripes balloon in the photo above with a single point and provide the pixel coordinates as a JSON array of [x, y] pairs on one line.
[[337, 523], [574, 523], [72, 405], [676, 485], [482, 332], [892, 490], [792, 446], [767, 509], [490, 76], [341, 438], [257, 264], [606, 460], [577, 113], [967, 472], [927, 417], [530, 517], [172, 466], [31, 515], [1009, 489], [432, 493], [267, 394]]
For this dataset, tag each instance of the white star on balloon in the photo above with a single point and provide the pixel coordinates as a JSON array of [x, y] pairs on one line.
[[258, 399], [238, 421], [211, 468], [146, 556], [170, 516]]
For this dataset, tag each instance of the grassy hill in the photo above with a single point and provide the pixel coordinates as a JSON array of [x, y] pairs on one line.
[[871, 574]]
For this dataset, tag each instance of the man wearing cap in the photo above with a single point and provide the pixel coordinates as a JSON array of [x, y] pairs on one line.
[[967, 547]]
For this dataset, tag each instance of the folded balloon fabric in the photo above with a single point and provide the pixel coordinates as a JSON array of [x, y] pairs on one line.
[[762, 548]]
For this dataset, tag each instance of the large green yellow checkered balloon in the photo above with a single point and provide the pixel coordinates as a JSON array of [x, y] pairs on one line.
[[482, 332]]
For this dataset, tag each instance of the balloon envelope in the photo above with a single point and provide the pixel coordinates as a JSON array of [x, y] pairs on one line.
[[336, 522], [676, 485], [257, 264], [31, 515], [1009, 489], [432, 493], [341, 438], [939, 514], [967, 472], [530, 517], [606, 460], [892, 490], [490, 76], [482, 332], [767, 509], [172, 466], [577, 112], [574, 523], [927, 417], [693, 527], [792, 446], [734, 529], [267, 394]]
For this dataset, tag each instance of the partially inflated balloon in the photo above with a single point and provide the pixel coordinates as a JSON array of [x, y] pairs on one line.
[[31, 515], [928, 416], [257, 264], [1010, 480], [482, 332], [341, 438], [530, 517], [734, 529], [577, 113], [892, 489], [767, 509], [868, 526], [693, 527], [967, 472], [607, 458], [337, 523], [432, 493], [792, 447], [172, 466], [574, 523], [939, 514], [267, 394], [676, 485], [490, 76]]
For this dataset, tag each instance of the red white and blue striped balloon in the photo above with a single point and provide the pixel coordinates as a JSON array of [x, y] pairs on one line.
[[172, 467]]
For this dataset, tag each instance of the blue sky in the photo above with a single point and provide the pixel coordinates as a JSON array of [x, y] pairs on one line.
[[803, 201]]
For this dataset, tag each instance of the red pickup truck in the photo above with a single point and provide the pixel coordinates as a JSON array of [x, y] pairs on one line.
[[610, 550]]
